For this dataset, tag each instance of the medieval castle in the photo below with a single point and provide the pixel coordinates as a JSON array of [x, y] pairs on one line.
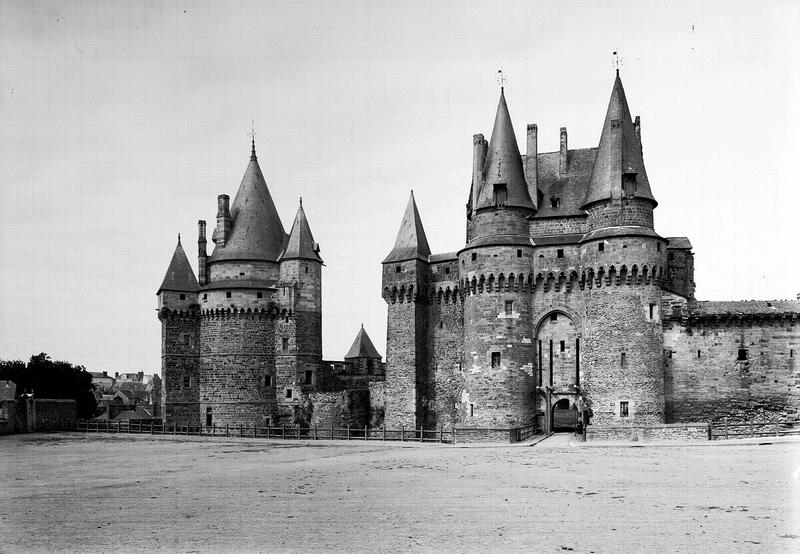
[[564, 305]]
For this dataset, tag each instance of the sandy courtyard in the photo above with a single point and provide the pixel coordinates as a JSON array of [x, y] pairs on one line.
[[74, 492]]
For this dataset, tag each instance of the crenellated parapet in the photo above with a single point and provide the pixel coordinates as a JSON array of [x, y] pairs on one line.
[[273, 312]]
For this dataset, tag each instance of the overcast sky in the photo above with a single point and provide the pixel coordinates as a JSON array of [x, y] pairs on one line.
[[120, 123]]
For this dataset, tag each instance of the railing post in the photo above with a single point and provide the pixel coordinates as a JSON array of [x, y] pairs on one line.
[[315, 432], [777, 428], [710, 430], [365, 433], [402, 433], [283, 431], [331, 431], [227, 432], [384, 432], [421, 434], [348, 431], [751, 429], [725, 420], [454, 434], [240, 431], [441, 433]]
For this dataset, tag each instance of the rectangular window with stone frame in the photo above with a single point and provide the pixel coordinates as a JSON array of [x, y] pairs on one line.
[[623, 409], [495, 359]]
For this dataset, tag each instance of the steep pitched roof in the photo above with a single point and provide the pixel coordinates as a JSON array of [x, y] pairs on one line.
[[570, 188], [503, 164], [180, 276], [362, 347], [411, 242], [257, 232], [301, 242], [619, 151]]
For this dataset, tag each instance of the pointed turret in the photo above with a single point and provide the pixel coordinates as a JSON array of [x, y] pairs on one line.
[[257, 232], [411, 242], [301, 242], [180, 276], [362, 347], [503, 175], [618, 168]]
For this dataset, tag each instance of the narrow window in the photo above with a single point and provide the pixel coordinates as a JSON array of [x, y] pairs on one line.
[[553, 317], [455, 405], [441, 325], [285, 343], [474, 256], [563, 346], [742, 354], [288, 393], [447, 271], [227, 294], [658, 247], [669, 353], [205, 296], [267, 380], [623, 409], [241, 274], [555, 201], [652, 311], [495, 359], [370, 367], [398, 269], [601, 246], [209, 417], [509, 307], [309, 377], [560, 253], [791, 353], [187, 381], [519, 253], [623, 360], [259, 295], [183, 297], [500, 194], [698, 353], [306, 268]]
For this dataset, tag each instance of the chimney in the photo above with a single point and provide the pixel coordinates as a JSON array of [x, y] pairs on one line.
[[562, 159], [479, 147], [116, 375], [532, 163], [105, 374], [223, 232], [202, 256]]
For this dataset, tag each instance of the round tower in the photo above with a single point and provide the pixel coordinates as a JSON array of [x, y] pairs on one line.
[[239, 307], [623, 263], [495, 268]]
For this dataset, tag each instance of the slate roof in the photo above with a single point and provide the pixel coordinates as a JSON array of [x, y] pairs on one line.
[[571, 190], [362, 347], [746, 307], [411, 242], [257, 232], [681, 243], [619, 151], [503, 164], [180, 276], [301, 242]]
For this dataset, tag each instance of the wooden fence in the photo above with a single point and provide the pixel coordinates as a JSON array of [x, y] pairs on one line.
[[726, 430], [157, 427]]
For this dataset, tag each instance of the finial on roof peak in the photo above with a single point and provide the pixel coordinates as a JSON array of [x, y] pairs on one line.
[[252, 139], [501, 79], [301, 201], [179, 239]]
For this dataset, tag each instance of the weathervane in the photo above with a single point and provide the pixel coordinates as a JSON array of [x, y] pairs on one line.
[[253, 137], [616, 61], [501, 78]]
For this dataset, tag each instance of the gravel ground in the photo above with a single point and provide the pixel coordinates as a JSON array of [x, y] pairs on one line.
[[90, 493]]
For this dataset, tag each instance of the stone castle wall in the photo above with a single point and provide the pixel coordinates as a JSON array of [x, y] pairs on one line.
[[706, 381]]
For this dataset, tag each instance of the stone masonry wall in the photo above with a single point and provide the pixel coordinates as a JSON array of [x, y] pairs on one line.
[[237, 351], [446, 339], [705, 380], [550, 226], [180, 368]]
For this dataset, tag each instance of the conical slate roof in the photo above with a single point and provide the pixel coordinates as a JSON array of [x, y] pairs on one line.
[[301, 242], [180, 276], [362, 347], [619, 152], [257, 232], [411, 242], [503, 164]]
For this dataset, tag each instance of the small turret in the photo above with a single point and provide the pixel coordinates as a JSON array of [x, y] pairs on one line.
[[411, 242], [179, 284], [503, 177], [301, 242]]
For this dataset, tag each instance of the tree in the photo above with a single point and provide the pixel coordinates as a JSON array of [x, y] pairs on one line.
[[46, 378]]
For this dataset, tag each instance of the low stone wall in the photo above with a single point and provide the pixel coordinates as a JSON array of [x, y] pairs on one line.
[[55, 414], [648, 433]]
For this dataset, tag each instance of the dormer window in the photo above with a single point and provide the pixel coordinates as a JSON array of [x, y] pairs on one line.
[[555, 201], [629, 185], [500, 194]]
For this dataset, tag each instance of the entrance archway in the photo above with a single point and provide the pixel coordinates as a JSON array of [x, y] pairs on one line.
[[565, 416], [558, 346]]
